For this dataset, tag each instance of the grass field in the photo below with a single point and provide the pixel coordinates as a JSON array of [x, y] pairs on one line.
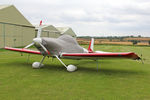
[[114, 80]]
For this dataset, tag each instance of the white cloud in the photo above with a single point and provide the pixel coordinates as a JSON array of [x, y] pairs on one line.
[[90, 17]]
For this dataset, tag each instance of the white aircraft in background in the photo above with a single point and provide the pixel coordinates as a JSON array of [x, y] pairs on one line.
[[66, 47]]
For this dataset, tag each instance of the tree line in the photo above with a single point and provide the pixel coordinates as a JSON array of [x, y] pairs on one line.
[[120, 38]]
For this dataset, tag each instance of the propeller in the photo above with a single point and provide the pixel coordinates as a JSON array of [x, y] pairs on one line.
[[39, 30], [38, 40], [29, 45], [38, 36]]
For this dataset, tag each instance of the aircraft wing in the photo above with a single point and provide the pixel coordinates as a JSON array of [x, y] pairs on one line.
[[129, 55], [23, 50]]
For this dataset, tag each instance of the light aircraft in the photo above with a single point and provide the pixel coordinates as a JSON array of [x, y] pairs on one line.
[[66, 47]]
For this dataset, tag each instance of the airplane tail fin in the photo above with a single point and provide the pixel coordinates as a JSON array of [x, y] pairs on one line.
[[91, 46]]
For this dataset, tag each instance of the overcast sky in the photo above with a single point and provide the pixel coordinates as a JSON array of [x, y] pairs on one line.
[[90, 17]]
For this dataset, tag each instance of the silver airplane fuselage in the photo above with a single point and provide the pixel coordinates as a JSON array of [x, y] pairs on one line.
[[63, 44]]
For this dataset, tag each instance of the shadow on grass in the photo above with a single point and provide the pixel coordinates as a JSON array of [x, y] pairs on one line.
[[82, 69], [110, 71]]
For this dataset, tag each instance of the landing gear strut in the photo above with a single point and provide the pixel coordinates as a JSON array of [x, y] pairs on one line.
[[70, 68], [38, 64]]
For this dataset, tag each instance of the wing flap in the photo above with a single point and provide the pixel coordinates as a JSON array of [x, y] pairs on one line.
[[129, 55], [23, 50]]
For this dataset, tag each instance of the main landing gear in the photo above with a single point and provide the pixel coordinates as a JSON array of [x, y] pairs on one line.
[[70, 68], [38, 64]]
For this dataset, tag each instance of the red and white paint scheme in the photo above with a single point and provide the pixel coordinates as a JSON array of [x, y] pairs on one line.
[[66, 47]]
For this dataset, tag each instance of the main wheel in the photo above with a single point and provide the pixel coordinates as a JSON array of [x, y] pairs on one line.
[[37, 65], [71, 68]]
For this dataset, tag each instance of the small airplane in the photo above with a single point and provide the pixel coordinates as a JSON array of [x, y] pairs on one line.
[[66, 47]]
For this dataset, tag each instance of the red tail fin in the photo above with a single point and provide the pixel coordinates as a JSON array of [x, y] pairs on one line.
[[91, 46]]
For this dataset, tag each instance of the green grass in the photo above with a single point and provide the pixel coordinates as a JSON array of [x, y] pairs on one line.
[[114, 80]]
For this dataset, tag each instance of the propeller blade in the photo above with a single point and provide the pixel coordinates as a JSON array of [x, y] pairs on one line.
[[38, 35], [44, 48], [29, 45], [40, 22], [39, 30]]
